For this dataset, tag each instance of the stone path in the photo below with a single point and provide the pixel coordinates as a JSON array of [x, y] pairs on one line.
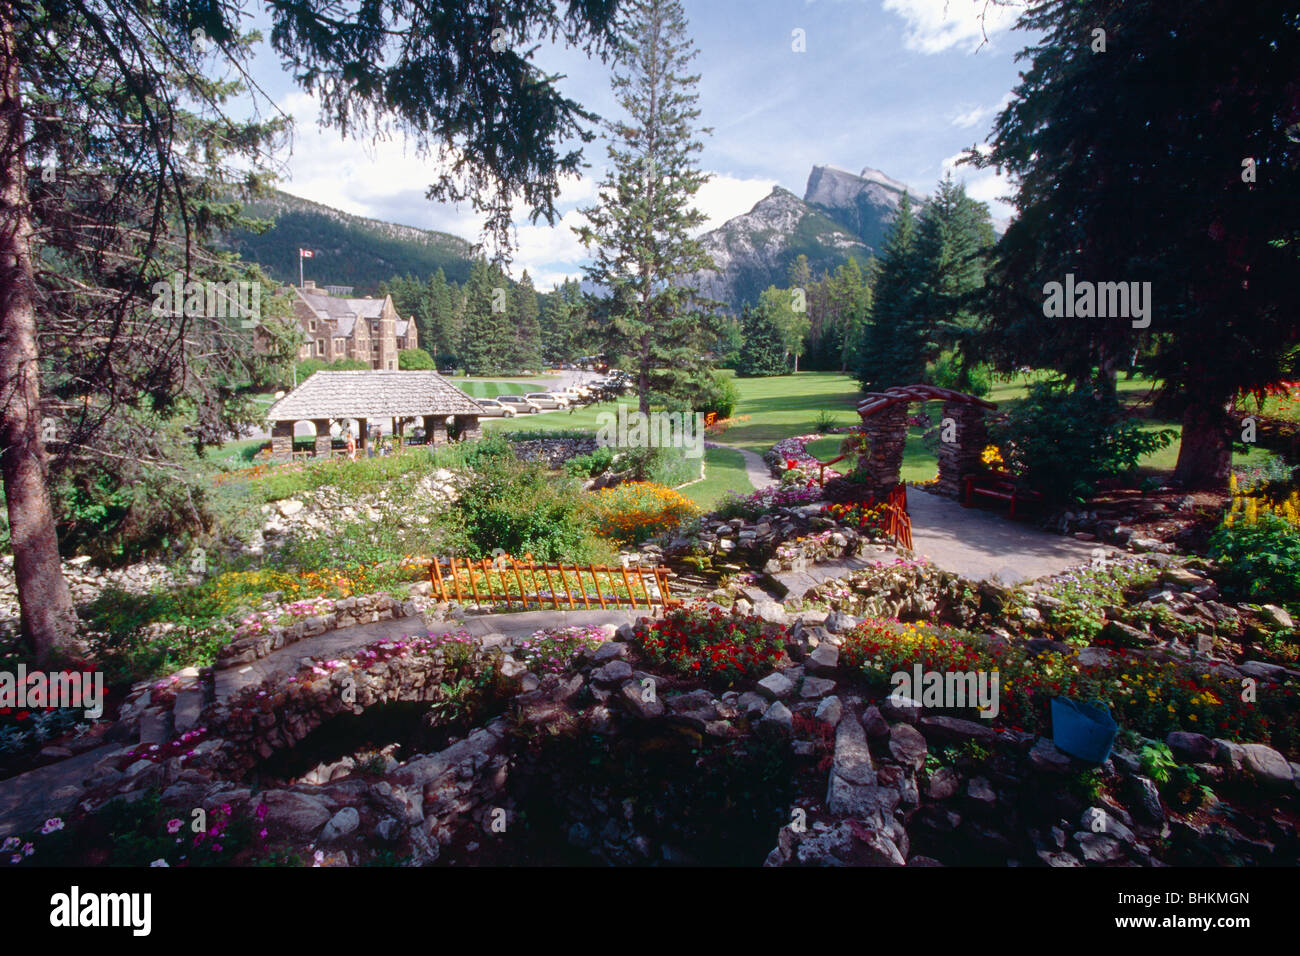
[[760, 476], [31, 798], [983, 545], [339, 642], [798, 583]]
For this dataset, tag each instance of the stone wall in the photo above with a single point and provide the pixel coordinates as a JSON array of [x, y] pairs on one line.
[[961, 457], [886, 434], [554, 451], [347, 612]]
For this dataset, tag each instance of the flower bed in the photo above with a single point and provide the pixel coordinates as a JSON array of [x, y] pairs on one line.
[[1148, 695], [711, 644], [758, 503], [859, 515], [637, 510], [552, 651]]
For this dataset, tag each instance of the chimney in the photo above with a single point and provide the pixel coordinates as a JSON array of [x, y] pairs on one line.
[[309, 284]]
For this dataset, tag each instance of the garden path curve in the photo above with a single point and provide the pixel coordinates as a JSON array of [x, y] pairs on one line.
[[983, 545]]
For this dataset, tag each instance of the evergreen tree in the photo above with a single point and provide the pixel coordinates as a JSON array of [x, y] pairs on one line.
[[564, 323], [487, 336], [642, 228], [952, 244], [526, 351], [887, 350], [1124, 174], [763, 351], [444, 330]]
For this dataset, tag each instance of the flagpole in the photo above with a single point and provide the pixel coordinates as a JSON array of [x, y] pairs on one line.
[[300, 269]]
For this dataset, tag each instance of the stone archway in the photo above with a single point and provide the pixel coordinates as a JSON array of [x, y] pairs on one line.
[[884, 424]]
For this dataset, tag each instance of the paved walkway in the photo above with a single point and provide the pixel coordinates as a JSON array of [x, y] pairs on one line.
[[31, 798], [340, 642], [760, 476], [984, 545]]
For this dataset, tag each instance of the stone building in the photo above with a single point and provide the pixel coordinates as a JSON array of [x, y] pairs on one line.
[[368, 330]]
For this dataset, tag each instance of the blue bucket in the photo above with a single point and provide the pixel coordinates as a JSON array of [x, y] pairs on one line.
[[1083, 730]]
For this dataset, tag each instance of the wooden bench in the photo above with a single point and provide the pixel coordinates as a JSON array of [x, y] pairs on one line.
[[1000, 485]]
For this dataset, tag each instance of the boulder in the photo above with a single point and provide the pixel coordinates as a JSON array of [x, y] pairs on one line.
[[1267, 765], [776, 686], [296, 814], [1191, 747], [907, 745], [341, 824]]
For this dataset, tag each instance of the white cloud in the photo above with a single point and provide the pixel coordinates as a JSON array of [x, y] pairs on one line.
[[723, 197], [979, 115], [985, 185], [937, 25]]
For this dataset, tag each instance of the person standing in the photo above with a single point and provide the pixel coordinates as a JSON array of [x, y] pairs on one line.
[[352, 446]]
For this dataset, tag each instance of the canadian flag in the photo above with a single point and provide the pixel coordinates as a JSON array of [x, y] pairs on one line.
[[305, 253]]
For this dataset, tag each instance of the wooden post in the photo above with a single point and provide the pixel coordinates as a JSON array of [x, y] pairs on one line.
[[455, 579], [628, 583]]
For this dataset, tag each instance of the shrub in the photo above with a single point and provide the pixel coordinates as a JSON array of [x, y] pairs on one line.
[[950, 372], [309, 367], [1260, 560], [1063, 443], [635, 511], [515, 506], [712, 645], [590, 465], [661, 466], [718, 395], [415, 360]]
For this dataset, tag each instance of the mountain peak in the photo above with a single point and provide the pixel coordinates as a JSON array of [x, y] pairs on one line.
[[876, 176]]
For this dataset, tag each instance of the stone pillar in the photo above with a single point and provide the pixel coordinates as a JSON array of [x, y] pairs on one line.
[[886, 433], [435, 429], [470, 429], [323, 441], [960, 457], [282, 440]]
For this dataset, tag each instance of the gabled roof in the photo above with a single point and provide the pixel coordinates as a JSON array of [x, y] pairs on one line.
[[875, 401], [374, 394]]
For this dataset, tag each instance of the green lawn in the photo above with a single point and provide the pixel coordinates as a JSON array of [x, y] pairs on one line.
[[724, 470]]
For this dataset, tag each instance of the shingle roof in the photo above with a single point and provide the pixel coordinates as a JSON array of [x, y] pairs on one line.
[[374, 394], [334, 307]]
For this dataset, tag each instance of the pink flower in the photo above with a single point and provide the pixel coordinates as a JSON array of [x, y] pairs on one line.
[[173, 825]]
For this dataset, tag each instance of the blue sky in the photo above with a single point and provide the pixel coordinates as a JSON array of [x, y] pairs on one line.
[[903, 86]]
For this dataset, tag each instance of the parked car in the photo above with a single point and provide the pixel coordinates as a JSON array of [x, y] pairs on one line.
[[491, 407], [545, 400], [519, 404]]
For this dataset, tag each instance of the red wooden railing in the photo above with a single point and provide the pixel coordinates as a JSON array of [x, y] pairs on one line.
[[502, 581]]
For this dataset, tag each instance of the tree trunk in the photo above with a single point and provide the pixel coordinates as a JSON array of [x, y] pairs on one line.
[[48, 619], [1205, 452]]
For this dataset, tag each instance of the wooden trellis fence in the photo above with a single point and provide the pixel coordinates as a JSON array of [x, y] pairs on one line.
[[507, 581]]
